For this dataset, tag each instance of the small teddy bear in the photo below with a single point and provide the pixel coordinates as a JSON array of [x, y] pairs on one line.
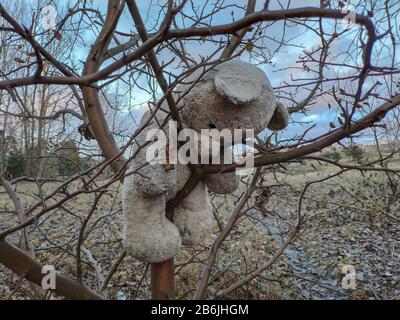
[[231, 95]]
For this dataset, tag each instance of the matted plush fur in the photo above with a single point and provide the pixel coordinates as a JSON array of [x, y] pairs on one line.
[[232, 95]]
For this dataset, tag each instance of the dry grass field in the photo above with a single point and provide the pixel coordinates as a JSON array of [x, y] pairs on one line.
[[351, 219]]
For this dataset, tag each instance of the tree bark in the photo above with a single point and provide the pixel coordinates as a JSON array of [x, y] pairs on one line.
[[95, 114], [163, 280], [23, 265]]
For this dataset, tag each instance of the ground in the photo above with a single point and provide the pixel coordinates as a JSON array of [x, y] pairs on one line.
[[352, 219]]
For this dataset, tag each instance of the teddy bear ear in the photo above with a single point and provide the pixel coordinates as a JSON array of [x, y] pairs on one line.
[[237, 86], [280, 119]]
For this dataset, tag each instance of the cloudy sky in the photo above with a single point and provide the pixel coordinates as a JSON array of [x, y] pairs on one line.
[[283, 68]]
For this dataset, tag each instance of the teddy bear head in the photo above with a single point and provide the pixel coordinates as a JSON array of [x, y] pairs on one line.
[[232, 95]]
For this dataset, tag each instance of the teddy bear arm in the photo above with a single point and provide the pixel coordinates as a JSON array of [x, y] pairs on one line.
[[154, 179], [152, 176]]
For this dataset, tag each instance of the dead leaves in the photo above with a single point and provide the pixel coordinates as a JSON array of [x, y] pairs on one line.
[[249, 46], [19, 60], [58, 36]]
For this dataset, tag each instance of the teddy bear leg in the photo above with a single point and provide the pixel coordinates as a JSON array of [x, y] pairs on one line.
[[193, 216], [147, 234]]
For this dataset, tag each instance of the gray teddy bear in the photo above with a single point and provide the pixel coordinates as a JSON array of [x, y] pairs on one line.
[[232, 95]]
